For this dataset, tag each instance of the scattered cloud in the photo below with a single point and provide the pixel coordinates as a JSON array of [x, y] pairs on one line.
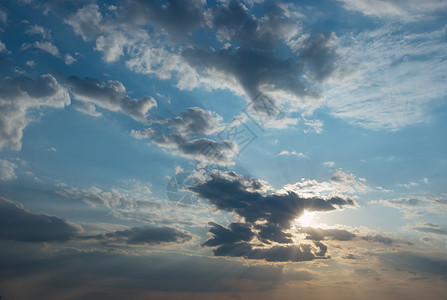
[[87, 108], [383, 83], [417, 205], [142, 236], [17, 96], [181, 136], [44, 46], [7, 170], [266, 218], [293, 153], [111, 95], [19, 224], [409, 10], [428, 228]]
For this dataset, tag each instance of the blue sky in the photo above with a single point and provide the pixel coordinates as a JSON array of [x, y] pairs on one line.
[[198, 149]]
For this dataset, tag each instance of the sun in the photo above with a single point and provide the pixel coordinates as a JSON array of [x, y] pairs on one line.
[[306, 218]]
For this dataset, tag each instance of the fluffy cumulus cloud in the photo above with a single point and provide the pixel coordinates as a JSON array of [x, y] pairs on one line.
[[111, 95], [20, 94], [263, 231], [185, 135], [143, 236], [19, 224]]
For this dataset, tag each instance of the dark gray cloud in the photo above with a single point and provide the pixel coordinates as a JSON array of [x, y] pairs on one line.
[[19, 224], [141, 236], [180, 135], [236, 232], [319, 234], [17, 96], [228, 191], [266, 219], [429, 228], [378, 238], [176, 17], [118, 274], [415, 262], [194, 120], [197, 149], [111, 96]]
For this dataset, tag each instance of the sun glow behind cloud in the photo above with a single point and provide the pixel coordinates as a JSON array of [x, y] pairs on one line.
[[306, 218]]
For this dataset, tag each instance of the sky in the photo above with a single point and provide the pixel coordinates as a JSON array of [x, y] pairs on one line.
[[223, 149]]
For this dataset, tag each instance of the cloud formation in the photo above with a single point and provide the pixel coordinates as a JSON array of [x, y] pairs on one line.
[[7, 170], [17, 96], [19, 224], [111, 95], [183, 135], [143, 236], [266, 218]]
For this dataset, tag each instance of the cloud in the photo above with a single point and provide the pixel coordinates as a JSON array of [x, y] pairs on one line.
[[417, 262], [417, 205], [293, 153], [319, 234], [340, 183], [86, 21], [249, 45], [7, 170], [39, 30], [175, 17], [17, 96], [428, 228], [180, 136], [44, 46], [378, 238], [2, 47], [87, 108], [111, 95], [195, 121], [19, 224], [94, 196], [143, 236], [69, 59], [403, 10], [390, 78], [266, 218]]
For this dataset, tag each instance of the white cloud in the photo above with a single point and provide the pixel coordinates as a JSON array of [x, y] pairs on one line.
[[111, 95], [69, 59], [7, 170], [86, 21], [39, 30], [293, 153], [20, 94], [329, 163], [3, 17], [31, 63], [402, 9], [340, 183], [87, 108], [44, 46], [390, 79], [2, 47], [417, 205]]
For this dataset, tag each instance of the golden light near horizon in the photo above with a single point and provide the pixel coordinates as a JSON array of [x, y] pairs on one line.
[[306, 218]]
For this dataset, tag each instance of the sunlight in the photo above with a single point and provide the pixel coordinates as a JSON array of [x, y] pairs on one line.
[[306, 218]]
